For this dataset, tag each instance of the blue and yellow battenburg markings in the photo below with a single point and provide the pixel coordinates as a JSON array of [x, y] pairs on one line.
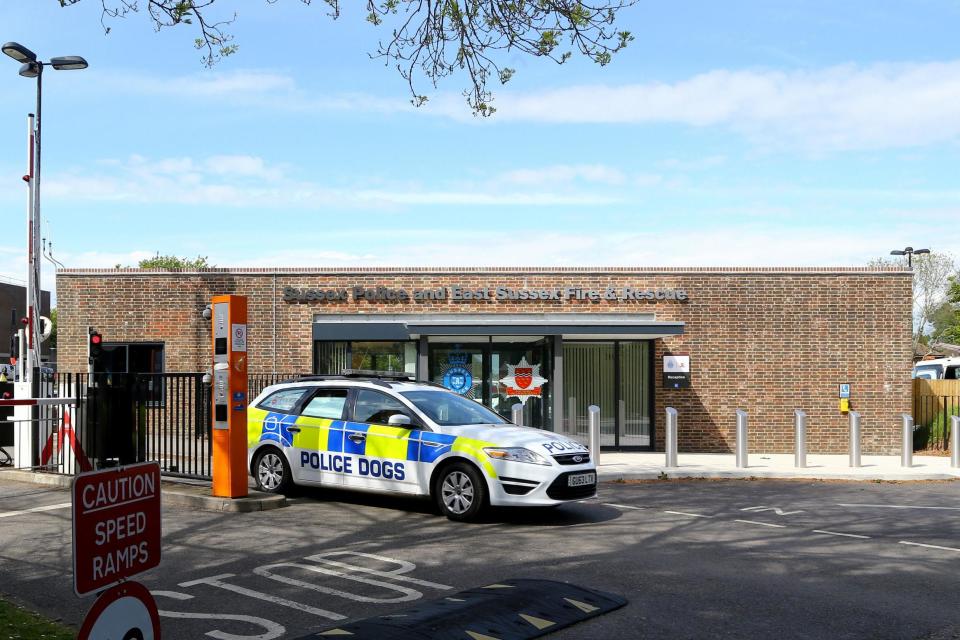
[[324, 435]]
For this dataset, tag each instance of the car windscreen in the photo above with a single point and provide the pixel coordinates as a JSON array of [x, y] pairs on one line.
[[928, 371], [451, 410]]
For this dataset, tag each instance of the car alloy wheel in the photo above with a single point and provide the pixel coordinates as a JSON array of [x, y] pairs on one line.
[[457, 492], [270, 471]]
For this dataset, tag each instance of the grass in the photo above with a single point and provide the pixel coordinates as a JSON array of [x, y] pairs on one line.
[[17, 623]]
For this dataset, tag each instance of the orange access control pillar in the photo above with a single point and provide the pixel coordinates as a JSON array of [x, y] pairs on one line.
[[229, 316]]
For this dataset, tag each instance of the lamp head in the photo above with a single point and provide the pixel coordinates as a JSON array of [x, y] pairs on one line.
[[30, 69], [18, 52], [68, 63]]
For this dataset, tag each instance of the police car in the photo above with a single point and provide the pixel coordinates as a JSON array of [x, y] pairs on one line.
[[391, 435]]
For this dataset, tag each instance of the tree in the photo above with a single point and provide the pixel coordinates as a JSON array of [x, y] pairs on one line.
[[432, 38], [173, 262], [949, 317], [931, 277]]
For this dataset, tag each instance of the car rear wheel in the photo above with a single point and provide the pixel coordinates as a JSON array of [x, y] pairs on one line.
[[271, 471], [460, 492]]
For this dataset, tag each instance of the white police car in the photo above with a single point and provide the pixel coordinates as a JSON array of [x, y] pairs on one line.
[[374, 433]]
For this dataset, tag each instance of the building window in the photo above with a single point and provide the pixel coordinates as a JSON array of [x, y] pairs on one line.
[[334, 357], [133, 357]]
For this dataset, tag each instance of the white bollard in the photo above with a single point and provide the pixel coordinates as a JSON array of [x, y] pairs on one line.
[[955, 442], [854, 439], [671, 438], [516, 413], [800, 435], [906, 453], [742, 461], [594, 413]]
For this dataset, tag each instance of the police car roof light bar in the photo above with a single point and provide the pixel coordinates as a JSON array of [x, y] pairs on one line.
[[369, 373]]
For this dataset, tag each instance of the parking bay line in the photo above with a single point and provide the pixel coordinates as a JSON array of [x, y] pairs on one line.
[[49, 507], [928, 546], [896, 506], [690, 515], [623, 506], [763, 524], [844, 535]]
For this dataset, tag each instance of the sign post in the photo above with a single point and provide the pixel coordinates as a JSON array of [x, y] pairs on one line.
[[229, 319], [116, 525]]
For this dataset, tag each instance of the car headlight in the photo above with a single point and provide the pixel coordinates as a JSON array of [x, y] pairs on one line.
[[516, 454]]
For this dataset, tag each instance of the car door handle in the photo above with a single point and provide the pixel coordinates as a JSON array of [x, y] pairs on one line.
[[357, 437], [431, 444], [293, 429]]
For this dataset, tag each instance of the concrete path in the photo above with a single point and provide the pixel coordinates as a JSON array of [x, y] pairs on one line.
[[650, 466]]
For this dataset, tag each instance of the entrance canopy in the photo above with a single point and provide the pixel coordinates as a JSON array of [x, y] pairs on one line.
[[604, 326]]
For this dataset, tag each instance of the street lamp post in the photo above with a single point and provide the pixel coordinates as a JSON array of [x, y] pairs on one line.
[[31, 67], [909, 252]]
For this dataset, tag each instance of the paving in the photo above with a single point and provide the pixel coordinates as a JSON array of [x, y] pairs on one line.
[[651, 466], [694, 559]]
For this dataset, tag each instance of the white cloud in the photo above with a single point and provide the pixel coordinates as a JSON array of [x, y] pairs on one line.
[[749, 245], [263, 89], [248, 181], [564, 174], [835, 108], [217, 85]]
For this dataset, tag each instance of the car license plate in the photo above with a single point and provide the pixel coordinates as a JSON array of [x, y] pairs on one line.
[[580, 479]]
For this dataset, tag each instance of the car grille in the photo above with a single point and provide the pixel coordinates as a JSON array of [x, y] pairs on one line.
[[558, 489], [568, 458]]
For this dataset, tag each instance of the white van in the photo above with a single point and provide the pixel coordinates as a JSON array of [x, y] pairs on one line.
[[938, 369]]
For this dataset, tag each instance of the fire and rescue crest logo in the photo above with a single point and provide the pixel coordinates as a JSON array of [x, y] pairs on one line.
[[523, 380]]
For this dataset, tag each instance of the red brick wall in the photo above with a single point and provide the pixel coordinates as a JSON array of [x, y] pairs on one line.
[[766, 340]]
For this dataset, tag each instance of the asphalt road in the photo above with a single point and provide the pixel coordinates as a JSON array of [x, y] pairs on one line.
[[732, 559]]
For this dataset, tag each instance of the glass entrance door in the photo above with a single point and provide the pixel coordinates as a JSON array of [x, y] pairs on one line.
[[519, 374], [500, 372], [460, 368], [616, 377], [588, 378], [633, 403]]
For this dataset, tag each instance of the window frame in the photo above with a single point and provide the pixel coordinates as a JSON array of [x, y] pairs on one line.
[[297, 406], [303, 402], [416, 421]]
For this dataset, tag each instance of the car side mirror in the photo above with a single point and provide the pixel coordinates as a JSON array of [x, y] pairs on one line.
[[400, 420]]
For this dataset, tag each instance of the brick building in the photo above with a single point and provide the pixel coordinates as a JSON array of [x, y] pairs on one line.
[[556, 339]]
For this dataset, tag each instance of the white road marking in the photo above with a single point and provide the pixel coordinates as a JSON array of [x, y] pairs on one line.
[[218, 581], [776, 510], [929, 546], [271, 629], [837, 533], [622, 506], [404, 567], [762, 524], [49, 507], [684, 513], [896, 506], [406, 594]]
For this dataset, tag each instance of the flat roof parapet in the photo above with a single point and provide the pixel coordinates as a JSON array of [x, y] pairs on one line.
[[495, 270]]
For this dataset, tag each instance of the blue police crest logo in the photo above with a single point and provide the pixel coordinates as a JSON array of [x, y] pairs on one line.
[[458, 379]]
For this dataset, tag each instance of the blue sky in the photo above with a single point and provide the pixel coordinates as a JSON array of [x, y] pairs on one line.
[[735, 133]]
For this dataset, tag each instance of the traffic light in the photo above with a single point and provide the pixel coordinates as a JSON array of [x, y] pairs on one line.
[[95, 344]]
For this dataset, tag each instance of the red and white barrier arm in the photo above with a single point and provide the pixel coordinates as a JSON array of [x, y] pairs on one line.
[[37, 402]]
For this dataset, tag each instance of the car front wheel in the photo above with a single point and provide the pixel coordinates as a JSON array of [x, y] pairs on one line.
[[272, 472], [461, 493]]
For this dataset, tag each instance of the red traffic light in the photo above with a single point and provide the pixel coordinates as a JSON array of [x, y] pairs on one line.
[[96, 338]]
